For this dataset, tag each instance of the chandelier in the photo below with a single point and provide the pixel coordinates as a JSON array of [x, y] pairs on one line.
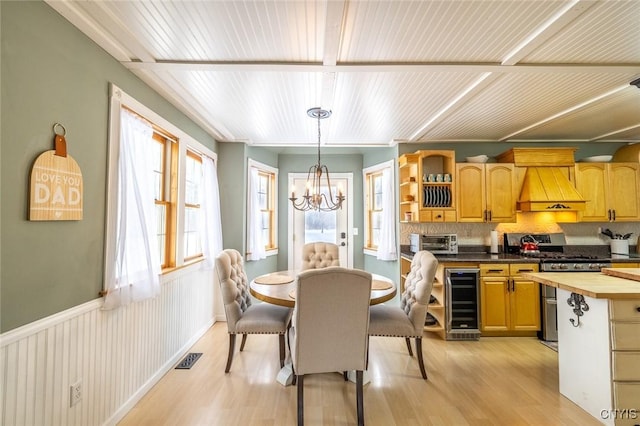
[[314, 198]]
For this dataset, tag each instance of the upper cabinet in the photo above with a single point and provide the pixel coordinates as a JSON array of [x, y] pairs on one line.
[[409, 175], [486, 192], [438, 188], [611, 191]]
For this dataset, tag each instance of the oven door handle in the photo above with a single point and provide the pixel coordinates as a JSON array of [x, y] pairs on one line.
[[551, 301]]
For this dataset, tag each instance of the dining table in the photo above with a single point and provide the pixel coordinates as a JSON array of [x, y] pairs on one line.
[[278, 288]]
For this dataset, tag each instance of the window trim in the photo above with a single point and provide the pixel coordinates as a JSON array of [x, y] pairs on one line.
[[371, 170], [180, 142], [270, 170]]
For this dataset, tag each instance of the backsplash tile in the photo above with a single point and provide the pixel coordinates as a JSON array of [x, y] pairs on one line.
[[479, 233]]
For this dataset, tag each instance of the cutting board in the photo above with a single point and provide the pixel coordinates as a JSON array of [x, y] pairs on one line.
[[628, 273]]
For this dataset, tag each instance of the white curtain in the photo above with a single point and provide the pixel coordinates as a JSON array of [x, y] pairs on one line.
[[211, 221], [387, 249], [255, 244], [135, 273]]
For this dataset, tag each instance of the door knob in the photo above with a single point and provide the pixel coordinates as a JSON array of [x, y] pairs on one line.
[[343, 244]]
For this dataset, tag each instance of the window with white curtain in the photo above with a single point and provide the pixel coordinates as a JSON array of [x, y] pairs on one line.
[[262, 235], [379, 211], [163, 208]]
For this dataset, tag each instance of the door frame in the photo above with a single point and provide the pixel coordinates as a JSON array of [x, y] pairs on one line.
[[349, 199]]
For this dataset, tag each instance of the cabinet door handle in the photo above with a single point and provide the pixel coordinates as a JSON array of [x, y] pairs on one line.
[[495, 270], [485, 215], [638, 308], [489, 215], [614, 215], [525, 270], [609, 213]]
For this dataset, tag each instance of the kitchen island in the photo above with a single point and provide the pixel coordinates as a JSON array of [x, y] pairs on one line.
[[598, 343]]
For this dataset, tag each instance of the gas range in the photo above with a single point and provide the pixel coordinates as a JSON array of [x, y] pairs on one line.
[[573, 265], [552, 256]]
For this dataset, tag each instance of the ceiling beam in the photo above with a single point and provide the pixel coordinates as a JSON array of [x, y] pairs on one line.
[[381, 67]]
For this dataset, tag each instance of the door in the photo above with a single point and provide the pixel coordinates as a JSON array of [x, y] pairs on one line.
[[624, 187], [313, 226], [501, 192]]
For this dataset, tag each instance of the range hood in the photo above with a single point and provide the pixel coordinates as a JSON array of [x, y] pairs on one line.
[[548, 189]]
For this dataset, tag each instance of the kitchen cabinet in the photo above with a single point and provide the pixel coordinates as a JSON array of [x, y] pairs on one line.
[[509, 303], [437, 308], [598, 360], [625, 265], [611, 191], [486, 192], [438, 186], [408, 174]]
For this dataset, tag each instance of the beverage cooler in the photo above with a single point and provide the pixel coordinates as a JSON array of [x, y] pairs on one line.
[[462, 300]]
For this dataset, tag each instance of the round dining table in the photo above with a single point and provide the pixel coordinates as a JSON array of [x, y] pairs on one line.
[[278, 288]]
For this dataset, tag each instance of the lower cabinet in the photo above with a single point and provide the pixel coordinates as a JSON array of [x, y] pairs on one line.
[[598, 359], [509, 304]]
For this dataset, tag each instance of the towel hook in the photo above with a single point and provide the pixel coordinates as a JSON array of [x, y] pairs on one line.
[[579, 305]]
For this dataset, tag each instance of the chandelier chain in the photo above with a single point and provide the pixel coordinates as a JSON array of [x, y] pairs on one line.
[[314, 197]]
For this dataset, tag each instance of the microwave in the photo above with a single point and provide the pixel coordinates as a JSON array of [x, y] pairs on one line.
[[435, 243]]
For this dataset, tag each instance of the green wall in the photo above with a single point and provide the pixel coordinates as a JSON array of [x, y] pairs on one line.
[[52, 73]]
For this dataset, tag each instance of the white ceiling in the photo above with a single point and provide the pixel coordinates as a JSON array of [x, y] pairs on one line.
[[391, 71]]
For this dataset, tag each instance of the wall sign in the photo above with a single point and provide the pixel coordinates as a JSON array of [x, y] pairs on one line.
[[56, 183]]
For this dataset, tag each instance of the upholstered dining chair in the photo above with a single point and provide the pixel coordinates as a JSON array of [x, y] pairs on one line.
[[243, 317], [329, 327], [407, 320], [319, 255]]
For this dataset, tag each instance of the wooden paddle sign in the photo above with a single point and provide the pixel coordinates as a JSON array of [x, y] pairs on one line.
[[56, 184]]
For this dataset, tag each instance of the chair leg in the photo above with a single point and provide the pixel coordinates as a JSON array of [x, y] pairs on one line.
[[282, 350], [366, 363], [300, 400], [232, 346], [420, 360], [408, 341], [360, 397], [244, 339]]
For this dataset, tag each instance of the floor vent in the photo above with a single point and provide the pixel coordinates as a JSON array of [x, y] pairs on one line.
[[188, 361]]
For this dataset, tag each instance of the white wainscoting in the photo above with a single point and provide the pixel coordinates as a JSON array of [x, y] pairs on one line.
[[118, 355]]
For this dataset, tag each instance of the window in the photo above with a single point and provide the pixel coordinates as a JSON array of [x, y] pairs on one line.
[[261, 211], [164, 152], [374, 209], [193, 188], [380, 222], [170, 164]]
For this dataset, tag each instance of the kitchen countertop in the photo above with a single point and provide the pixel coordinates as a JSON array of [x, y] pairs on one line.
[[484, 257], [592, 284]]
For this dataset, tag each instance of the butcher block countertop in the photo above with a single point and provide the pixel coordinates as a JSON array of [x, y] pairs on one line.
[[593, 284]]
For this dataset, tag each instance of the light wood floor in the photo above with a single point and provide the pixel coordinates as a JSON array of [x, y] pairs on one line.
[[494, 381]]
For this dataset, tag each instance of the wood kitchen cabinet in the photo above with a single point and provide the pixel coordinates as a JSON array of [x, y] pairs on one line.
[[611, 191], [509, 303], [437, 196], [409, 177], [486, 192], [437, 308]]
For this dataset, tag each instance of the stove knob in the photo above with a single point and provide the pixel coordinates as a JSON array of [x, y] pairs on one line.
[[564, 266], [554, 266], [579, 266]]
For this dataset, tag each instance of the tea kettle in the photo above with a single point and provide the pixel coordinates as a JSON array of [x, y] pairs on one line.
[[528, 245]]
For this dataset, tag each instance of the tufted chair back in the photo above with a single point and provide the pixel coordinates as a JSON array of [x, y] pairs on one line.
[[418, 285], [234, 286], [319, 255]]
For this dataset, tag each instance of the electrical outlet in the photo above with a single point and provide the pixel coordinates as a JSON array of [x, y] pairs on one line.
[[75, 393]]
